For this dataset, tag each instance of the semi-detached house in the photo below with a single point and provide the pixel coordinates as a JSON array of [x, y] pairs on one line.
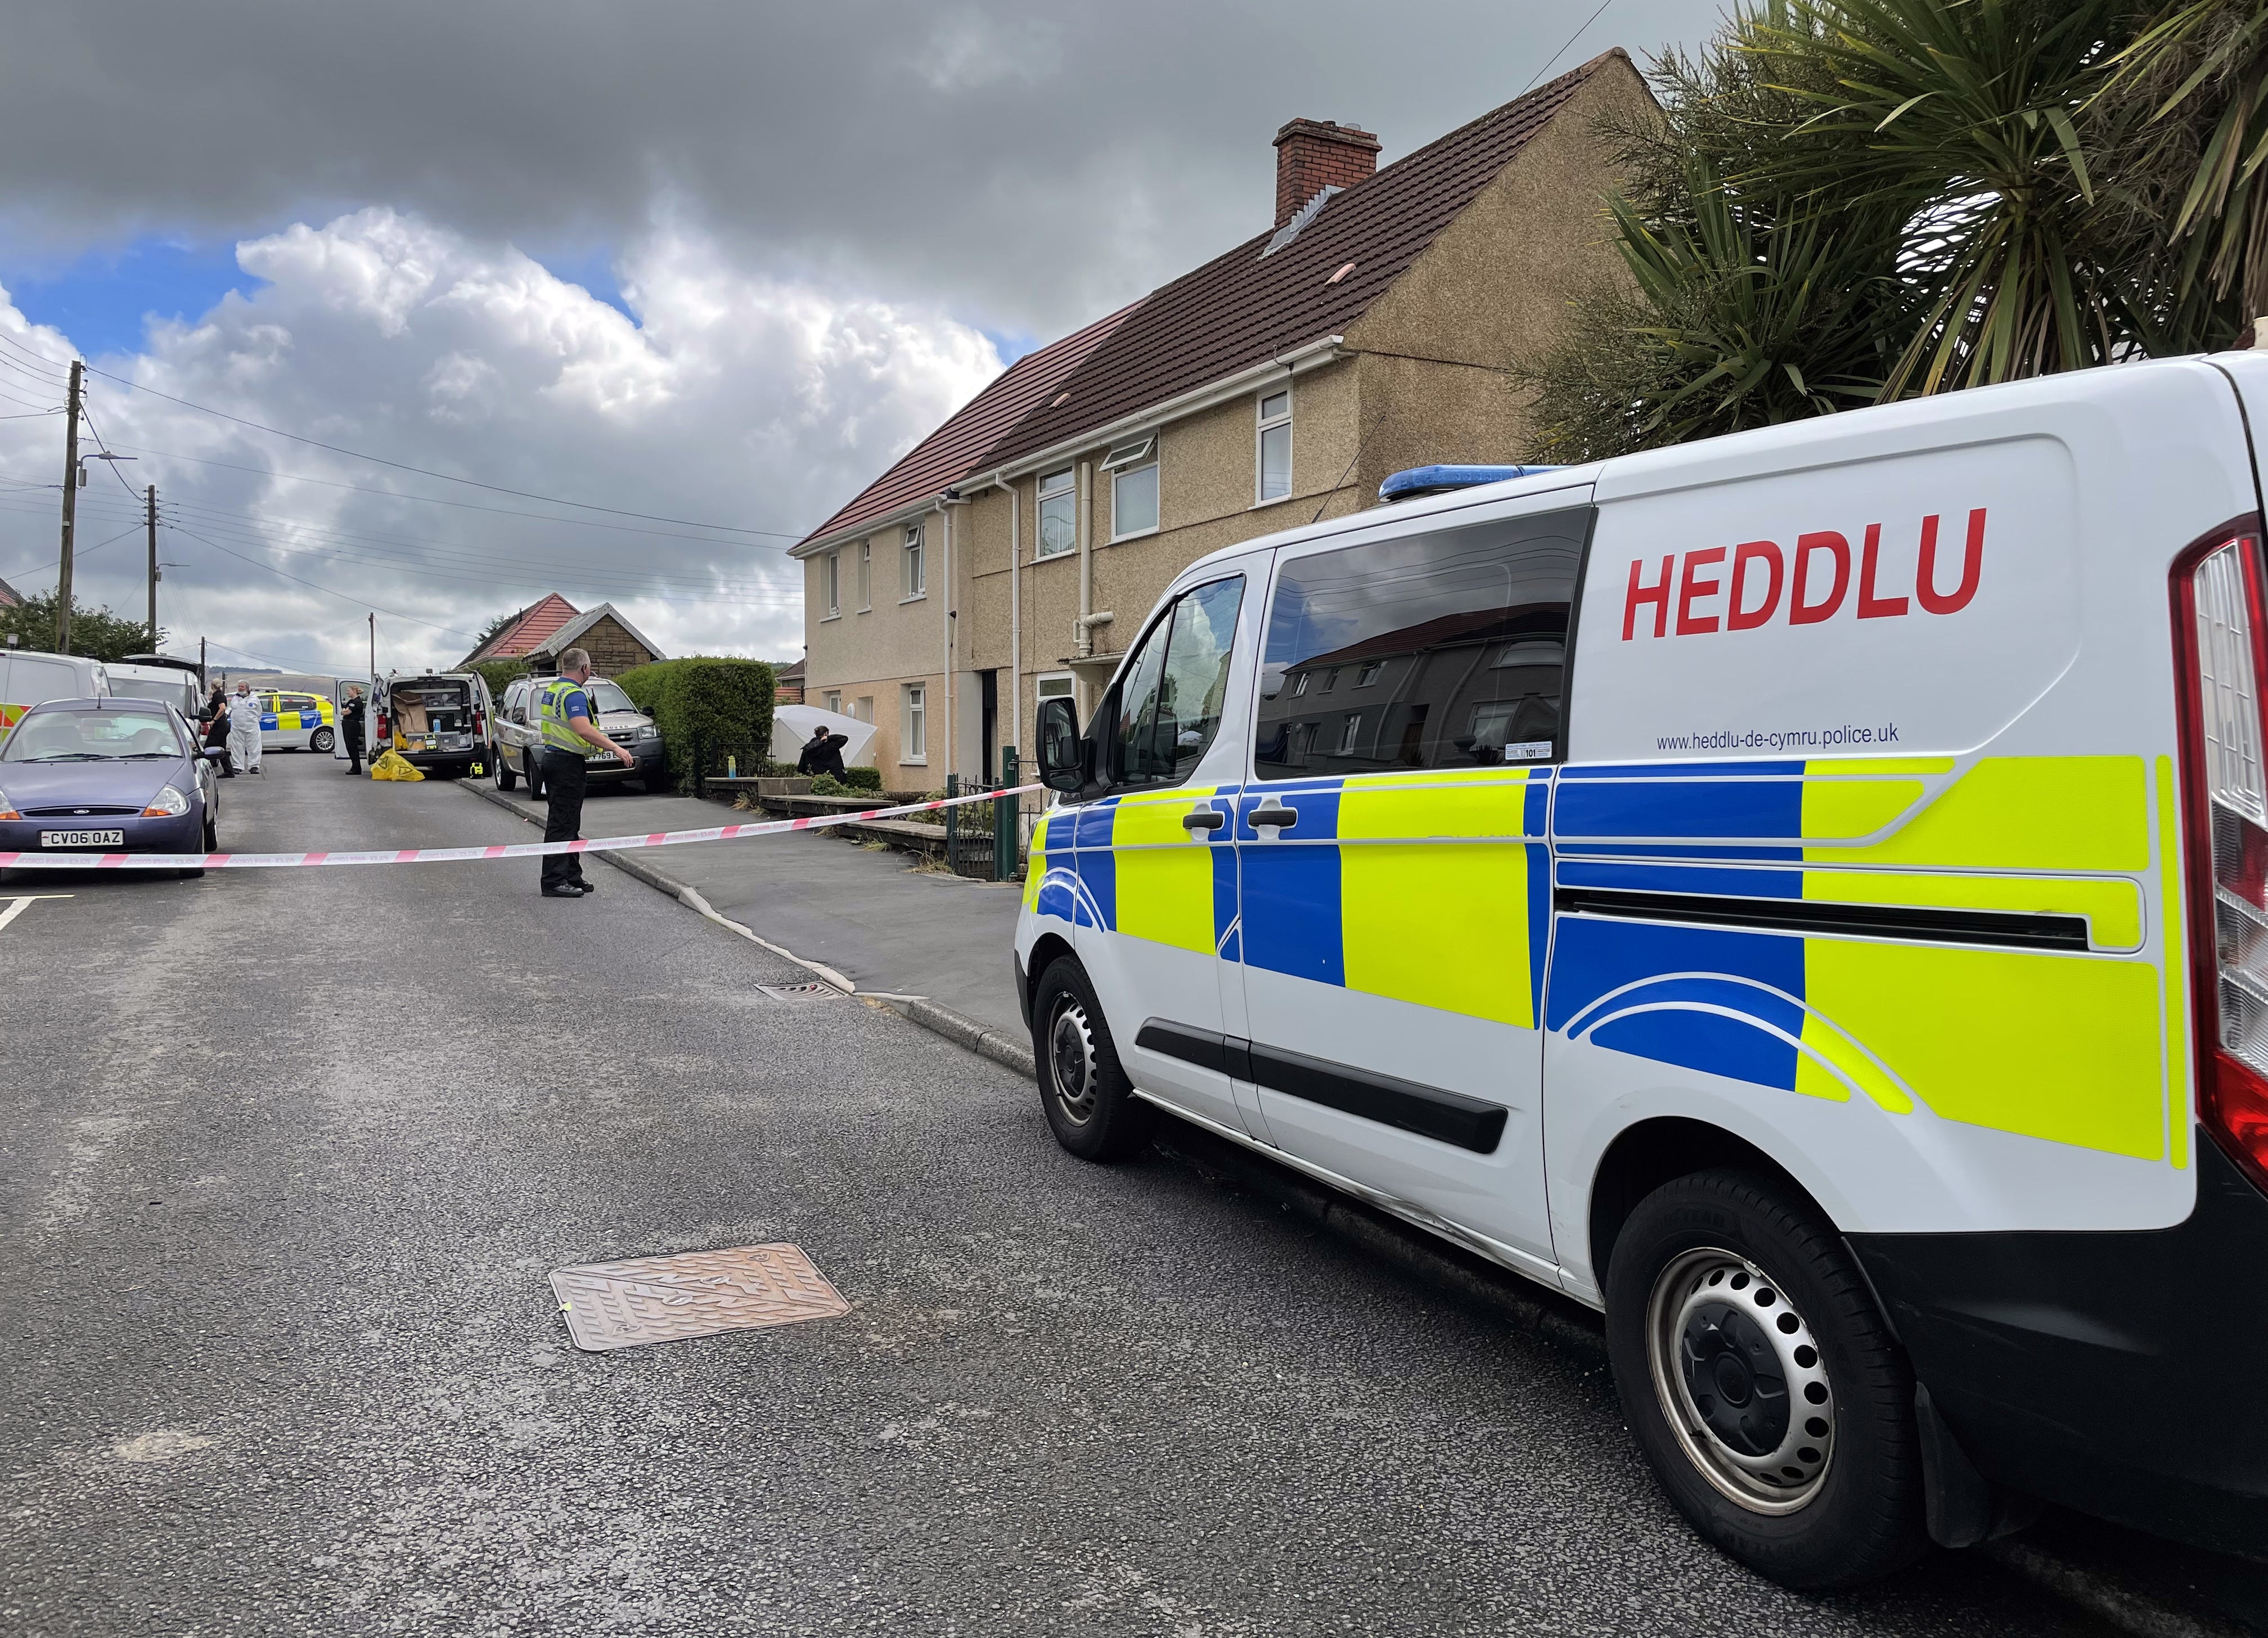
[[1012, 554]]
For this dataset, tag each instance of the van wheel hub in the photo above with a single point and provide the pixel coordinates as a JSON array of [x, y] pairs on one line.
[[1740, 1381], [1070, 1061]]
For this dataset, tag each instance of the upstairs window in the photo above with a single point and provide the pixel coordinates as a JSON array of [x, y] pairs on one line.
[[1272, 463], [1058, 525], [831, 575], [865, 575], [913, 578], [1133, 468]]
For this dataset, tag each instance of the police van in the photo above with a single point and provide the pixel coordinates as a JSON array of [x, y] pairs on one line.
[[1804, 894]]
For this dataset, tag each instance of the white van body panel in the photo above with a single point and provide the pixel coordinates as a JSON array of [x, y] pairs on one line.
[[2061, 658]]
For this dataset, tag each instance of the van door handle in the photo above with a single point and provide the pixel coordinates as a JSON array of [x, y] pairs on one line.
[[1203, 819], [1282, 818]]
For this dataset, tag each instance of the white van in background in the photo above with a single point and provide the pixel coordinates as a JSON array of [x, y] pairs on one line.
[[176, 685], [29, 679], [1803, 893]]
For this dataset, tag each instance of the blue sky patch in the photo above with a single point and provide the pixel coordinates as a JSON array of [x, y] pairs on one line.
[[100, 300]]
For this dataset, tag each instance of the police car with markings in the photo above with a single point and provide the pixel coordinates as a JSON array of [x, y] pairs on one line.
[[1804, 894]]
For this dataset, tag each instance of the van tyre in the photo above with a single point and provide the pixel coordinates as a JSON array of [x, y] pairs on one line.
[[1762, 1382], [1090, 1103]]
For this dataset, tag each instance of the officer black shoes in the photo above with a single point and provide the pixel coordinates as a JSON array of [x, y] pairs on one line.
[[568, 892]]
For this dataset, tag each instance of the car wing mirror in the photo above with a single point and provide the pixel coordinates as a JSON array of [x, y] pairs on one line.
[[1062, 762]]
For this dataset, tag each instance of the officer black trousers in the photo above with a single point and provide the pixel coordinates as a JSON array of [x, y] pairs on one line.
[[562, 782]]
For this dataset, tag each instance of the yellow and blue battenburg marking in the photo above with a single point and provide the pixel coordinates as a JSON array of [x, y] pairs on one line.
[[1968, 938], [2063, 1043]]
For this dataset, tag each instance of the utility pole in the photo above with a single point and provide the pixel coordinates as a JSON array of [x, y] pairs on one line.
[[150, 496], [201, 662], [373, 644], [71, 513]]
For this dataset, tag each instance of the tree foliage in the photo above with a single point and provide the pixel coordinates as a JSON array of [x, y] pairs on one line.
[[97, 633], [1845, 202]]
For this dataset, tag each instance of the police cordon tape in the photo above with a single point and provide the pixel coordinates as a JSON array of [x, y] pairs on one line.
[[64, 861]]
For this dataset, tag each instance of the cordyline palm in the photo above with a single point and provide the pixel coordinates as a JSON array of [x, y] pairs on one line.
[[1959, 115], [2193, 91], [1733, 320]]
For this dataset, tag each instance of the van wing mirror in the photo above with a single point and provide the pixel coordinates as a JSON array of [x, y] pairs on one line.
[[1062, 760]]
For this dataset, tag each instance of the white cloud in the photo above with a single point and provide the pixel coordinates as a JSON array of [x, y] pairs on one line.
[[738, 397]]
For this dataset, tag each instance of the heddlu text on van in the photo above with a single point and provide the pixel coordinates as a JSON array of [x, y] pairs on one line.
[[1816, 584]]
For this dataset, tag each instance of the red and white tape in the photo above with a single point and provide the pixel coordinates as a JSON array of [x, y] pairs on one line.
[[69, 861]]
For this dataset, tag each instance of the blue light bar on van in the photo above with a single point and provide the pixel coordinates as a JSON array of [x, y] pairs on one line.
[[1438, 480]]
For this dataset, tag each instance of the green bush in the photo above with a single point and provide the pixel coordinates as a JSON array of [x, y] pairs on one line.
[[499, 673], [863, 778], [828, 784], [706, 706]]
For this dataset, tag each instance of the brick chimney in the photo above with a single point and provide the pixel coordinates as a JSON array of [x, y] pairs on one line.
[[1312, 155]]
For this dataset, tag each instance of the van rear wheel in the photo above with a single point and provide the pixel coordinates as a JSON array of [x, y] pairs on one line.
[[1090, 1103], [1762, 1382]]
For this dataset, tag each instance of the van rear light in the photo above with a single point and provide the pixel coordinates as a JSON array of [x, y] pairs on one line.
[[2221, 617]]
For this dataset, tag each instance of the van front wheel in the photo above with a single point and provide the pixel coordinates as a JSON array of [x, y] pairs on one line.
[[1764, 1387], [1090, 1105]]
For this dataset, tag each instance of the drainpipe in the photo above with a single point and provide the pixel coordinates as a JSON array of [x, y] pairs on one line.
[[945, 503], [1082, 640], [1016, 613]]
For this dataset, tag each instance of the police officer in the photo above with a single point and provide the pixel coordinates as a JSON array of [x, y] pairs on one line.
[[568, 730]]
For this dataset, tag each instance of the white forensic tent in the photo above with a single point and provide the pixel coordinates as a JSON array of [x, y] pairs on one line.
[[792, 727]]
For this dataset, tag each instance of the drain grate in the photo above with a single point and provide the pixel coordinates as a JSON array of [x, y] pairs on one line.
[[694, 1294], [810, 991]]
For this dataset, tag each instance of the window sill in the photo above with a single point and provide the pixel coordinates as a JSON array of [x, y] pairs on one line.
[[913, 762], [837, 615], [918, 597], [1261, 505], [866, 609], [1139, 535], [1057, 557]]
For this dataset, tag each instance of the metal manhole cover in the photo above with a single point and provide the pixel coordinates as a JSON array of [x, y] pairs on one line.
[[694, 1294], [811, 991]]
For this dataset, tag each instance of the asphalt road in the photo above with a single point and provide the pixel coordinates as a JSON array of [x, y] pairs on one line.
[[289, 1154]]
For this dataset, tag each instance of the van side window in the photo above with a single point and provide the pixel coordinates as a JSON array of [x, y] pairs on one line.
[[1461, 639], [1162, 717]]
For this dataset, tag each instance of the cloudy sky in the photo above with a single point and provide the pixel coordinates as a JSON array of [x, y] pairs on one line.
[[711, 266]]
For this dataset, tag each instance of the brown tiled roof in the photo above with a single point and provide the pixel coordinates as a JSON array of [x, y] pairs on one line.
[[1236, 311], [958, 448], [9, 596], [525, 634], [1241, 309]]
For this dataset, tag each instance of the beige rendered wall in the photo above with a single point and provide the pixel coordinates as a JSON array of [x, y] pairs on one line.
[[871, 654], [1494, 286]]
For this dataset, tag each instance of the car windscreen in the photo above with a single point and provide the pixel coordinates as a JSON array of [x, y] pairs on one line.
[[606, 695], [92, 736]]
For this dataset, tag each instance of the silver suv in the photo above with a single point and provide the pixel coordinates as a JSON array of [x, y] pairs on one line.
[[516, 750]]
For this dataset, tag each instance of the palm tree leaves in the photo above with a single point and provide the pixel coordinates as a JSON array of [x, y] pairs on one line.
[[1850, 201]]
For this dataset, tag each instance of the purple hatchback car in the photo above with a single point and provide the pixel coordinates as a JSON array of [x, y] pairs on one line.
[[105, 776]]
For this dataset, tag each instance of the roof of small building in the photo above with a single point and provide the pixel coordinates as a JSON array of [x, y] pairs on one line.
[[1241, 309], [536, 621], [565, 638], [9, 596]]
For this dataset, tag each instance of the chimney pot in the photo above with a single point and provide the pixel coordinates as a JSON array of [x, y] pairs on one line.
[[1312, 155]]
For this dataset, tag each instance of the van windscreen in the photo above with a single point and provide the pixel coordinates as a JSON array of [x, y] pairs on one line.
[[1445, 650]]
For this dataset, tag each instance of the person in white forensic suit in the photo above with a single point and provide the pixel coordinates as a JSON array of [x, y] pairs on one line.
[[244, 730]]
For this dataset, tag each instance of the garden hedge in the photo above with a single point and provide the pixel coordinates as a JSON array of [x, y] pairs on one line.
[[722, 706]]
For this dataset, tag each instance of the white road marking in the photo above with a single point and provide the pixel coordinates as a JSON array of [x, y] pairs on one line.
[[9, 908]]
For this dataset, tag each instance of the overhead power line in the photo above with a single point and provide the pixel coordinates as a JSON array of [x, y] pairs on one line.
[[357, 601], [446, 477], [430, 500]]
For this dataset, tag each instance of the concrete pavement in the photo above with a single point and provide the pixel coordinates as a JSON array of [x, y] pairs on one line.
[[870, 915], [288, 1156]]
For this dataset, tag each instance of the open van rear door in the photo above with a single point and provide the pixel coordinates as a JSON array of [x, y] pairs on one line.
[[341, 691]]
